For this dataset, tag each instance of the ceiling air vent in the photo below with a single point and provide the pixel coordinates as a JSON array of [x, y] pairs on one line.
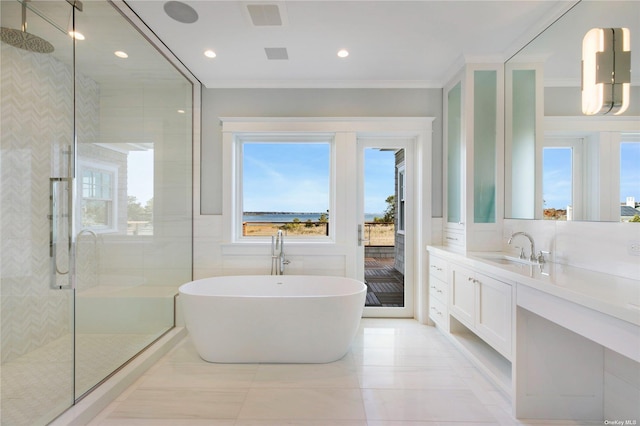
[[276, 53], [264, 14]]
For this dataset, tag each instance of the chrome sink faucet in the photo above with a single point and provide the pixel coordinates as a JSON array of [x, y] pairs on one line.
[[532, 254]]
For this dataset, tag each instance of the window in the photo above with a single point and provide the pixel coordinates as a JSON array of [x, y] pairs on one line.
[[562, 179], [630, 181], [284, 184], [97, 192], [401, 196], [557, 183]]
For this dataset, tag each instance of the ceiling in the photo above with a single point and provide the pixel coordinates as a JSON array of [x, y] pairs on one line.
[[391, 43]]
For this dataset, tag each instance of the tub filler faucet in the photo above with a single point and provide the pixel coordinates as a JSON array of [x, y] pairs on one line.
[[278, 260]]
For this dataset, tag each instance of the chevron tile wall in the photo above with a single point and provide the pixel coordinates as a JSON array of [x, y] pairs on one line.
[[36, 125]]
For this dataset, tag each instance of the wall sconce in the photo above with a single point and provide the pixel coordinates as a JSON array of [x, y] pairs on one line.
[[606, 71]]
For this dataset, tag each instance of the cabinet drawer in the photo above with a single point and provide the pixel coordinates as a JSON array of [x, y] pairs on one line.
[[438, 268], [453, 239], [438, 313], [438, 289]]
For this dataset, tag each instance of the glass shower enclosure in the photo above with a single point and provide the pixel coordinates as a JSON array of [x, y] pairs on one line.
[[95, 200]]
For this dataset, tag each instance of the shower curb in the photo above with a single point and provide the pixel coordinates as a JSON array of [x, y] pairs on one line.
[[96, 401]]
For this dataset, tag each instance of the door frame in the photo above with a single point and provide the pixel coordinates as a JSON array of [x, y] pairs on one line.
[[408, 145], [415, 134]]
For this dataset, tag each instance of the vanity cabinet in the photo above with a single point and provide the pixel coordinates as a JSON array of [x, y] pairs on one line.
[[563, 344], [473, 150], [484, 305], [438, 292]]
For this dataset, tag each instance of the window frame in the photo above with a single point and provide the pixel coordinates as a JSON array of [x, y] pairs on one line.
[[112, 170], [239, 140], [401, 173], [625, 138]]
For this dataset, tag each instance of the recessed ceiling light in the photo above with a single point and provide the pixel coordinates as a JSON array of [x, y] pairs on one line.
[[180, 111], [121, 54], [209, 53], [76, 35], [343, 53]]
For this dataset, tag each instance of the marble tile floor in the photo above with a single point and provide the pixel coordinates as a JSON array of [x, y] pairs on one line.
[[38, 385], [397, 373]]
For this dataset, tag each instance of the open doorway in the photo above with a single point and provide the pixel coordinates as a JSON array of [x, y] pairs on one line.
[[384, 226]]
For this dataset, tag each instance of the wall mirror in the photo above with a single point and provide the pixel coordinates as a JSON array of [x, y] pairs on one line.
[[559, 163]]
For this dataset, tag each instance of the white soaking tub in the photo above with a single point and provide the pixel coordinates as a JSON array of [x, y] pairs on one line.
[[273, 318]]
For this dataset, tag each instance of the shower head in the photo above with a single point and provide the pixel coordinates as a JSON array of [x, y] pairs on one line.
[[24, 40]]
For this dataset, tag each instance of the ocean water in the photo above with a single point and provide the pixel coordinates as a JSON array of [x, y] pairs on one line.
[[288, 217]]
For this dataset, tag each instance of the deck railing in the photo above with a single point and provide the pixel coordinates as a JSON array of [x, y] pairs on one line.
[[377, 233]]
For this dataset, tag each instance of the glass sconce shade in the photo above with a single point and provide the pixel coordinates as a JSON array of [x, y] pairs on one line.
[[606, 71]]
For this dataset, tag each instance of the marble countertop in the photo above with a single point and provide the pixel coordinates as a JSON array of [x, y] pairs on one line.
[[605, 293]]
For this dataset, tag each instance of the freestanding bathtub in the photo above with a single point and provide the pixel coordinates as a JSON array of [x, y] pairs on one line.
[[272, 318]]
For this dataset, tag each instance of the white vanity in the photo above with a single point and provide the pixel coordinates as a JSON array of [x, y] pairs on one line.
[[564, 342]]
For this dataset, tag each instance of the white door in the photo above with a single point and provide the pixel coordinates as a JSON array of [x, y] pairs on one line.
[[386, 225]]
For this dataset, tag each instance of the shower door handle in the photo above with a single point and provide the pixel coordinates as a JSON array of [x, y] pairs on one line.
[[54, 233]]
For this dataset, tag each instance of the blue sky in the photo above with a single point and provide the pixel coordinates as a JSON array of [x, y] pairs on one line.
[[140, 175], [379, 174], [630, 171], [290, 177], [556, 178], [286, 177]]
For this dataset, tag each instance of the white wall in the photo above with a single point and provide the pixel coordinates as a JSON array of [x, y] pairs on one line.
[[310, 103], [596, 246]]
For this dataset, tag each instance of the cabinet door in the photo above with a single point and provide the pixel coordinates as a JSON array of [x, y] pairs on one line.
[[485, 115], [493, 313], [463, 295], [454, 150]]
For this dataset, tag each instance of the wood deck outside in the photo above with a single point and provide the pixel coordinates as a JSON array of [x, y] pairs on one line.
[[385, 285]]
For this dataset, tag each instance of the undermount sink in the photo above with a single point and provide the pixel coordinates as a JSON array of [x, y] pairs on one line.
[[505, 259]]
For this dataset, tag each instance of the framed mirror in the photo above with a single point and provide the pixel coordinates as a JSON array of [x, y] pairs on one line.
[[559, 163]]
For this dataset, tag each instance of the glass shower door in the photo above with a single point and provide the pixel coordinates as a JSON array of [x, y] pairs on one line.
[[36, 143], [133, 203]]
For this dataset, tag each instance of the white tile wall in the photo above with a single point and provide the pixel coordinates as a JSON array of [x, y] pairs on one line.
[[597, 246], [213, 258]]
